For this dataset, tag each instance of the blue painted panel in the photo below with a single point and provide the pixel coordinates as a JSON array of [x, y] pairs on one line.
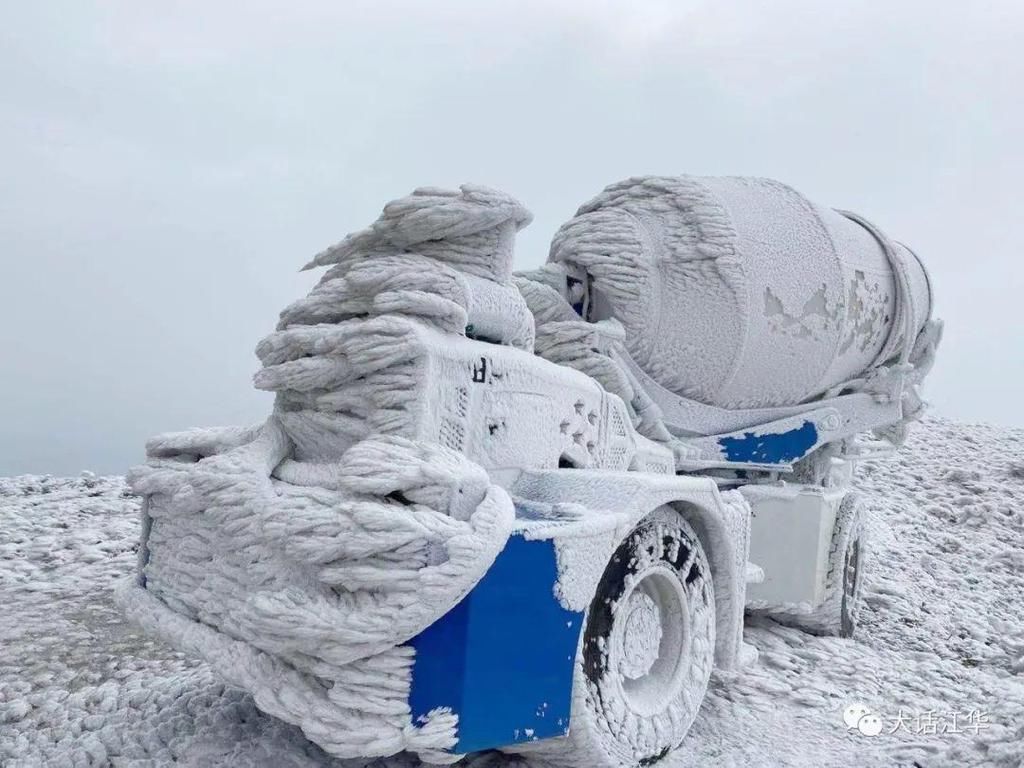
[[771, 448], [503, 658]]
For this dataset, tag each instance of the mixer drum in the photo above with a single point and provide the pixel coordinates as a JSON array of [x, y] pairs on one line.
[[739, 292]]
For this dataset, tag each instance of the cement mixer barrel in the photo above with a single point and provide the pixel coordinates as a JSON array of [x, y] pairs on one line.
[[739, 292]]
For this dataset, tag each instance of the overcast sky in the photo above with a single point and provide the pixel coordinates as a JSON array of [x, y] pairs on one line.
[[167, 167]]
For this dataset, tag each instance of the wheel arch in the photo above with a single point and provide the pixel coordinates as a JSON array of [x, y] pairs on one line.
[[721, 522], [727, 578]]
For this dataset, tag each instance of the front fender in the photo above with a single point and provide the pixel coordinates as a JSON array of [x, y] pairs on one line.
[[615, 502], [503, 659]]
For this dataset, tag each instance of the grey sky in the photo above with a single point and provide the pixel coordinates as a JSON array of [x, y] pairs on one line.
[[167, 167]]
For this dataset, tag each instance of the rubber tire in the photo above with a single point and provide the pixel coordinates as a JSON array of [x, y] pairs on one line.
[[605, 730], [853, 561]]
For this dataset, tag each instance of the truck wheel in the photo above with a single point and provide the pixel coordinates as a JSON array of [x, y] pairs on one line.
[[837, 615], [850, 555], [647, 650]]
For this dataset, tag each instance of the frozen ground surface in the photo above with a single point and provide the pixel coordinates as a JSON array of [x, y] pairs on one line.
[[942, 638]]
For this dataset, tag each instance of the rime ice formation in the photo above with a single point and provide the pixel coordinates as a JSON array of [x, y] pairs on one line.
[[942, 632], [299, 556], [437, 421]]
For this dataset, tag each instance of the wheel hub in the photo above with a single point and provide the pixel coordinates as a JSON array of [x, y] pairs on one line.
[[641, 636], [650, 641]]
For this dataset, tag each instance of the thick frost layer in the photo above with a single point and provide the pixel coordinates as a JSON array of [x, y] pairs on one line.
[[472, 228], [739, 292], [303, 595], [563, 337], [941, 631], [300, 556]]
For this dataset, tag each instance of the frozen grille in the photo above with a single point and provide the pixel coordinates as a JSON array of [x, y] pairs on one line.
[[452, 434], [613, 457], [618, 425]]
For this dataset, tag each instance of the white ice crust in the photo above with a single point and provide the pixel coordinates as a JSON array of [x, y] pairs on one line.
[[739, 292], [942, 632], [299, 555]]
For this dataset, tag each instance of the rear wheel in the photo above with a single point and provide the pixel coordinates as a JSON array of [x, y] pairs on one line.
[[647, 650], [849, 559]]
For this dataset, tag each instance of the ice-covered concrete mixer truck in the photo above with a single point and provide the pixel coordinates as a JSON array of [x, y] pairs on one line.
[[528, 512]]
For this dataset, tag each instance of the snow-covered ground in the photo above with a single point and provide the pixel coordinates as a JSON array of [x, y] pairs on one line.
[[939, 656]]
